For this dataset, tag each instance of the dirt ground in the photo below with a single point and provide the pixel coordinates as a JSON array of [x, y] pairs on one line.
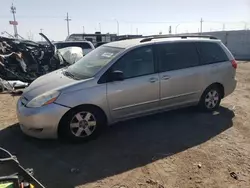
[[182, 148]]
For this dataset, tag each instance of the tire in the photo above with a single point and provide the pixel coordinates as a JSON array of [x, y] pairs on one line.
[[210, 99], [82, 124]]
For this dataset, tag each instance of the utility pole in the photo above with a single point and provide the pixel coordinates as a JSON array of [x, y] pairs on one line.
[[83, 29], [117, 26], [67, 20], [170, 30], [41, 30], [201, 25], [224, 26], [100, 27], [14, 23], [176, 27]]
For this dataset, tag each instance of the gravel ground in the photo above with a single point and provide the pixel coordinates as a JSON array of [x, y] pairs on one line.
[[182, 148]]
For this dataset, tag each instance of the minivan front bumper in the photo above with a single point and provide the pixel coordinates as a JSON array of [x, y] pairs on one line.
[[40, 122]]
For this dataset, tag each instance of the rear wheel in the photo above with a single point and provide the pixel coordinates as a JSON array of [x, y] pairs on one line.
[[82, 124], [210, 99]]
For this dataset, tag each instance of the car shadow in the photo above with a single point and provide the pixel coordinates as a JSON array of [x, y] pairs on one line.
[[122, 147]]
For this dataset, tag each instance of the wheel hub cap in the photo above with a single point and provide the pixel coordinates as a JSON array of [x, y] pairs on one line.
[[212, 99], [83, 124]]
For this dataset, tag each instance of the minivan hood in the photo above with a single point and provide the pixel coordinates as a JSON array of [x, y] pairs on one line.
[[48, 82]]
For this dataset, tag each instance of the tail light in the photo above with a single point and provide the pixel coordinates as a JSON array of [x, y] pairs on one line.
[[234, 64]]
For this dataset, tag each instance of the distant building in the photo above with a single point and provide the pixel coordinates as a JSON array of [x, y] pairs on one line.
[[98, 37], [94, 38], [124, 37]]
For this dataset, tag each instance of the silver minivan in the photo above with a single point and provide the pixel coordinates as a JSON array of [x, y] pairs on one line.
[[127, 79]]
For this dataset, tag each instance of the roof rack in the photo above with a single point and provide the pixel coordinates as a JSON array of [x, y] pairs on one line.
[[149, 38]]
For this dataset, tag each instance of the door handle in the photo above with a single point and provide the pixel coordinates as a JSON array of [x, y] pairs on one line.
[[165, 77], [152, 80]]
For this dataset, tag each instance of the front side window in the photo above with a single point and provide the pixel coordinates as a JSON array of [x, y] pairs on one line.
[[174, 56], [137, 62], [93, 62], [211, 53]]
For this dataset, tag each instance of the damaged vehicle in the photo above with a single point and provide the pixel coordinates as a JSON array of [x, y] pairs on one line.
[[127, 79], [26, 60], [85, 46]]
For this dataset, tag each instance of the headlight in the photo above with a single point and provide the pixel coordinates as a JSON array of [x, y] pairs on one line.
[[44, 99]]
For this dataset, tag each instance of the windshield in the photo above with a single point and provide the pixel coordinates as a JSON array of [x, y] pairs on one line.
[[93, 62]]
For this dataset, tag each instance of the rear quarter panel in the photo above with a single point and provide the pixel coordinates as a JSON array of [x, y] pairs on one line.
[[222, 73]]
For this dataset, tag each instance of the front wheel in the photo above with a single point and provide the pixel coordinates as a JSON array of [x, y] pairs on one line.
[[210, 99], [81, 124]]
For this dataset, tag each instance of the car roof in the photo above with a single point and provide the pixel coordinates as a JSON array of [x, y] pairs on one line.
[[137, 42]]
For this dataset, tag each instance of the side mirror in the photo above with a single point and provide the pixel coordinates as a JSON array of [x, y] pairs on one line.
[[117, 75]]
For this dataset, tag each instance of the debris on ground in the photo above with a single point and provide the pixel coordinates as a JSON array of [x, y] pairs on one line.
[[199, 165], [234, 175], [154, 182], [119, 186]]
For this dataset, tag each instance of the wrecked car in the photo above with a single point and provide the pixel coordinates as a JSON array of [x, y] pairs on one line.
[[86, 46], [26, 60]]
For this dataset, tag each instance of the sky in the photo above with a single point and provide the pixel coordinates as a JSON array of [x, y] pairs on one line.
[[133, 16]]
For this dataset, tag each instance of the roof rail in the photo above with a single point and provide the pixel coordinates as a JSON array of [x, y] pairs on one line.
[[149, 38]]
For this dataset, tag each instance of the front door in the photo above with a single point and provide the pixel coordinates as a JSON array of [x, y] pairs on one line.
[[139, 91], [180, 74]]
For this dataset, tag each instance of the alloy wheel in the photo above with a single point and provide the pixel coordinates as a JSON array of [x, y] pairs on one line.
[[83, 124], [212, 99]]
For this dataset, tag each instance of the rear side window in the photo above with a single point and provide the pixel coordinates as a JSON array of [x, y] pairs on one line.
[[174, 56], [211, 53]]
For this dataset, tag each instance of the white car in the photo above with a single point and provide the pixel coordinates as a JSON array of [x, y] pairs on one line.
[[86, 46]]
